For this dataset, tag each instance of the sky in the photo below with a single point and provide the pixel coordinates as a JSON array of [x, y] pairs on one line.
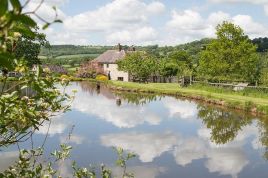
[[148, 22]]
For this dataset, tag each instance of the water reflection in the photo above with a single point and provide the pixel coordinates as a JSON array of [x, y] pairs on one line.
[[8, 158], [224, 125], [146, 145], [171, 137], [104, 107], [141, 171]]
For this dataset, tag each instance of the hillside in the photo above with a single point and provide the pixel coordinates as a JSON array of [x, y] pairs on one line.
[[71, 56]]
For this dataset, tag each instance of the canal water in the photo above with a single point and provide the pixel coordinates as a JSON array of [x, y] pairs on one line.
[[172, 137]]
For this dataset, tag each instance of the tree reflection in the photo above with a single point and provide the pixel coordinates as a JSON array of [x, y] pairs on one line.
[[224, 124], [136, 98], [130, 97], [263, 130]]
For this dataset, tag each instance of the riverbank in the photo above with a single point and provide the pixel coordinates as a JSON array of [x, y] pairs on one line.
[[250, 101]]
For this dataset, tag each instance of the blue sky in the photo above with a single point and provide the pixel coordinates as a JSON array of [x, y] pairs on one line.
[[144, 22]]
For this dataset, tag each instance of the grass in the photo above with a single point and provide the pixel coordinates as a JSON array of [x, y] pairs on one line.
[[77, 56], [246, 100]]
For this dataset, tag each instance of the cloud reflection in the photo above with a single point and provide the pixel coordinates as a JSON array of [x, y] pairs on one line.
[[225, 159], [140, 171], [8, 159], [182, 109], [58, 125], [146, 145], [105, 108]]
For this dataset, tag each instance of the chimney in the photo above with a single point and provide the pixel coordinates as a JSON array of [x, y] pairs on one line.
[[119, 47]]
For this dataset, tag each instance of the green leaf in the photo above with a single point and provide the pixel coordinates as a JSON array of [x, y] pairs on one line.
[[25, 19], [46, 26], [58, 21], [3, 7], [16, 5], [25, 30], [6, 60]]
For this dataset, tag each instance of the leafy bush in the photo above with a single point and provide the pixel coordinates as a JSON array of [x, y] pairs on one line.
[[102, 78]]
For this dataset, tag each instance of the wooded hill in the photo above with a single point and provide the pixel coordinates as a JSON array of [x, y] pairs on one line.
[[72, 56]]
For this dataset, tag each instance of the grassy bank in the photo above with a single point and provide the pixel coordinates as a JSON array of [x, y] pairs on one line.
[[248, 100]]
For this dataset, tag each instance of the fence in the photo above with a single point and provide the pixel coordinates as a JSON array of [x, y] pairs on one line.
[[239, 86]]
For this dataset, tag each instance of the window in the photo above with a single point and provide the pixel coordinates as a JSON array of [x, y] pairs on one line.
[[120, 78], [107, 65]]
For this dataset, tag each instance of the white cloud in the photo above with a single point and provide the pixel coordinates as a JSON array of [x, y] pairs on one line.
[[241, 1], [118, 14], [46, 11], [125, 21], [256, 2], [146, 145], [133, 22], [67, 37], [218, 17], [252, 28], [155, 8], [137, 36], [189, 25]]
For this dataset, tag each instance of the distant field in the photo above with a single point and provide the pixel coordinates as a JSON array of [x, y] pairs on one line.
[[42, 57], [77, 56], [72, 56]]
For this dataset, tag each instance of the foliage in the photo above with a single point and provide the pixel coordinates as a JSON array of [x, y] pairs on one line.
[[183, 60], [72, 60], [122, 162], [87, 70], [20, 111], [139, 65], [60, 50], [32, 163], [167, 69], [102, 78], [262, 44], [264, 76], [28, 47], [231, 56]]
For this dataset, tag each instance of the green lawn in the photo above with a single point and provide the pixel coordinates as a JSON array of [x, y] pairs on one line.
[[237, 99]]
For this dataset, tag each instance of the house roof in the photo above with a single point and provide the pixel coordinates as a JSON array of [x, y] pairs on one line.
[[110, 56]]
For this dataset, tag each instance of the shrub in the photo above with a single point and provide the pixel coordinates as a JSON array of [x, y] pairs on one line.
[[102, 78]]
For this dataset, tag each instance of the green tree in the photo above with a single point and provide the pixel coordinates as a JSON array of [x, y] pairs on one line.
[[183, 61], [167, 68], [231, 56], [139, 65], [28, 47]]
